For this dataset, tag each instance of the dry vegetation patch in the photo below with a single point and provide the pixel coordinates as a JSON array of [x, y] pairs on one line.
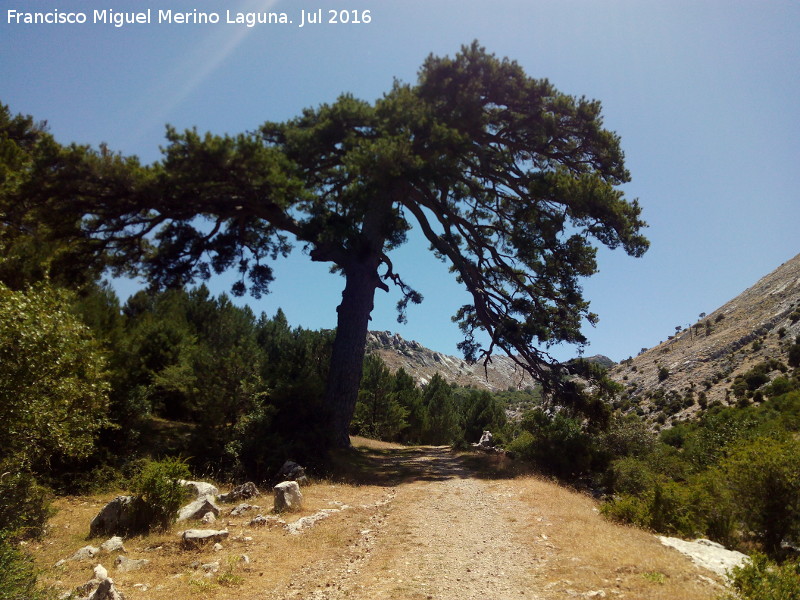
[[441, 525], [589, 553], [274, 557]]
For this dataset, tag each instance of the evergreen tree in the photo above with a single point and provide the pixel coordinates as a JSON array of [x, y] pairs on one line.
[[408, 395], [509, 180], [441, 418], [378, 412]]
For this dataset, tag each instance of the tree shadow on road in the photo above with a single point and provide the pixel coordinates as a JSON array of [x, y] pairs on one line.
[[363, 465]]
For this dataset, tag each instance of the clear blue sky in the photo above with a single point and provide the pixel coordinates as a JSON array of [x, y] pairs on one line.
[[703, 94]]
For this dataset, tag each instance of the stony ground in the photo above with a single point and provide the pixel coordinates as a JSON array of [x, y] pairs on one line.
[[446, 535], [417, 524]]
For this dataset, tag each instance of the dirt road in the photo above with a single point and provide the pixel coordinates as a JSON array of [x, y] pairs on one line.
[[396, 523], [445, 532]]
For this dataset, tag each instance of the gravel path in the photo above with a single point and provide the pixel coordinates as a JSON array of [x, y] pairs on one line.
[[444, 535]]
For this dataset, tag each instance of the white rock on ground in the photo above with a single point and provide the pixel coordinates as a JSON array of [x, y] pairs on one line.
[[84, 553], [269, 521], [199, 488], [710, 555], [193, 538], [311, 520], [209, 518], [198, 509], [113, 544], [288, 497], [106, 591], [125, 564]]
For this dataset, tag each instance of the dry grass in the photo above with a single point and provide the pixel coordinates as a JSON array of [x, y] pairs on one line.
[[275, 557], [589, 553], [362, 442], [565, 547]]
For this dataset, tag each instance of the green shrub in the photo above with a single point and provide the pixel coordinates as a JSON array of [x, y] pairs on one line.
[[712, 507], [17, 573], [762, 579], [631, 475], [158, 492], [779, 386], [53, 384], [523, 446], [287, 423], [663, 373], [24, 504], [557, 444], [627, 436], [764, 478], [755, 379], [794, 356], [700, 507], [627, 509], [672, 509]]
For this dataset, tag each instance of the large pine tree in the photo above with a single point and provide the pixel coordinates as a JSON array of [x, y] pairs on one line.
[[509, 180]]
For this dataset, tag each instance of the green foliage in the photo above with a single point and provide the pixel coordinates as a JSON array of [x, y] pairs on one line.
[[529, 175], [627, 436], [40, 239], [18, 574], [628, 508], [717, 430], [663, 373], [780, 386], [441, 418], [24, 503], [762, 579], [409, 396], [558, 444], [650, 500], [53, 386], [288, 419], [288, 423], [159, 494], [53, 403], [633, 476], [732, 476], [481, 411], [763, 475], [378, 413], [794, 355]]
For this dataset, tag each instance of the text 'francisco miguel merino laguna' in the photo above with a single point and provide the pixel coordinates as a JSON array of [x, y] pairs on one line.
[[193, 17]]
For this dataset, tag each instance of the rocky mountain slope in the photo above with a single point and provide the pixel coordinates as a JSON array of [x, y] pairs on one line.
[[699, 365], [422, 364]]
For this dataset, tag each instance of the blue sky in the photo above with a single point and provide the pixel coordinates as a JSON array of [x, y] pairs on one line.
[[703, 94]]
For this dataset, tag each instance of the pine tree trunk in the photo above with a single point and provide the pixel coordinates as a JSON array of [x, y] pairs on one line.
[[349, 345]]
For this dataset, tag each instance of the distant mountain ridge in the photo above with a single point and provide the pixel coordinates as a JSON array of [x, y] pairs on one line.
[[422, 363], [699, 365]]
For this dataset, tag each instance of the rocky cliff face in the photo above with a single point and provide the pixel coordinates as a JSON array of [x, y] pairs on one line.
[[422, 363], [699, 365]]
